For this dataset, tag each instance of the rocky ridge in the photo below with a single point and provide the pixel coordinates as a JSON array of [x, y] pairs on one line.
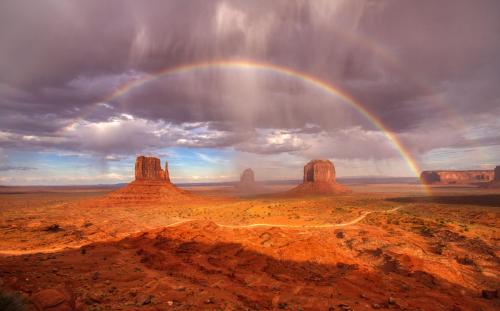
[[456, 177]]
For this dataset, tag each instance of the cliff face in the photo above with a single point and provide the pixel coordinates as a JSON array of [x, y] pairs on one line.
[[319, 171], [149, 168], [456, 177], [319, 178], [497, 173]]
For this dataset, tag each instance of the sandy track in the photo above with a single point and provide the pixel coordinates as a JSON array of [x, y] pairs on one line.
[[178, 223], [349, 223]]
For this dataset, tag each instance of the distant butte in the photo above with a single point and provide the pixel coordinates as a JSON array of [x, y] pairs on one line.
[[456, 177], [319, 178], [247, 181], [247, 177], [151, 185]]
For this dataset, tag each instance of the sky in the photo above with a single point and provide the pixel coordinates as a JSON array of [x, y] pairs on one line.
[[428, 72]]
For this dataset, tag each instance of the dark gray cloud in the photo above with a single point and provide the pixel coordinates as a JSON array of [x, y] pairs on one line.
[[4, 168], [420, 66]]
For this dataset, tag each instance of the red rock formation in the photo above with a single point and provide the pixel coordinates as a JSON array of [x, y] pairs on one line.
[[167, 176], [456, 177], [247, 182], [247, 176], [319, 178], [151, 186], [319, 171], [497, 173], [149, 168], [57, 299]]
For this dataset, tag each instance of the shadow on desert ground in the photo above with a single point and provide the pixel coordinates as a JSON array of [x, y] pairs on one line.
[[182, 269]]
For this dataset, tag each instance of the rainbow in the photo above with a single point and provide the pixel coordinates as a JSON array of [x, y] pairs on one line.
[[245, 64]]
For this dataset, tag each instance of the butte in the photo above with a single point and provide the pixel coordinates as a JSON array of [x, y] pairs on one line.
[[247, 180], [151, 186], [319, 179]]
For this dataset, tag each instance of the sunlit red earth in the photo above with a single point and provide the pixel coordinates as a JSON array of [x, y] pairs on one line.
[[381, 246]]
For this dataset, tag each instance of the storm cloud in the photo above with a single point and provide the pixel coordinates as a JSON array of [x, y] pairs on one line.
[[428, 70]]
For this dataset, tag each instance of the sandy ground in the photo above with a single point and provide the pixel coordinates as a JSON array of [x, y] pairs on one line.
[[382, 246]]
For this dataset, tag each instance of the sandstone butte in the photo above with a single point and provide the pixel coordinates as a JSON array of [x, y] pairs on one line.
[[247, 177], [456, 177], [247, 181], [151, 185], [149, 169], [319, 178]]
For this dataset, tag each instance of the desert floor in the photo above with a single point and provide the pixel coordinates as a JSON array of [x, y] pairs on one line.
[[382, 246]]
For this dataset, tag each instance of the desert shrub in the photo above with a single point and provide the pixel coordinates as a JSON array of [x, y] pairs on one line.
[[438, 248], [11, 302], [426, 231], [53, 228], [465, 260], [464, 227]]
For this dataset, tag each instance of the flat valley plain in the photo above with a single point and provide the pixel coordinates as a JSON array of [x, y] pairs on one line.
[[382, 246]]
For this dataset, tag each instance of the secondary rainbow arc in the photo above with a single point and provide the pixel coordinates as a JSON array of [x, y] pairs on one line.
[[309, 79]]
